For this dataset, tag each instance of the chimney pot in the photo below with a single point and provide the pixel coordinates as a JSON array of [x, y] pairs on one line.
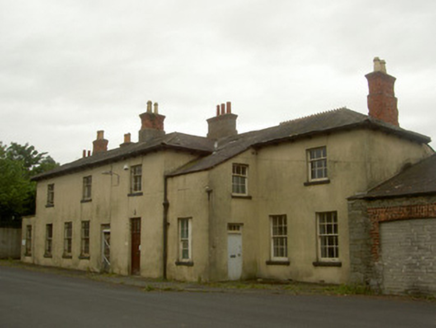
[[100, 135], [382, 103], [89, 153], [223, 124], [379, 65], [127, 138], [84, 153], [152, 124]]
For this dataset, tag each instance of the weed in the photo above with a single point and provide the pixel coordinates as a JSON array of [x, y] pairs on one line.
[[349, 290], [149, 288]]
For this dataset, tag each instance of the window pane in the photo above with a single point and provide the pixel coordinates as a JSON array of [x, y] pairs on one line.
[[184, 239], [279, 238], [136, 178], [318, 163], [239, 179], [328, 235]]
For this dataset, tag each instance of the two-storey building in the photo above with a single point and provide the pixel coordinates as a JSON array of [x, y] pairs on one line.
[[263, 204]]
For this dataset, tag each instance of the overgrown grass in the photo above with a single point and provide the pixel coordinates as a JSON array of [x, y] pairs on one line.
[[349, 290]]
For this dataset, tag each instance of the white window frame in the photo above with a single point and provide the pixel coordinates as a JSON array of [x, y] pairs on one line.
[[68, 239], [185, 239], [85, 238], [328, 236], [136, 178], [48, 240], [317, 164], [50, 194], [87, 187], [240, 179], [279, 237]]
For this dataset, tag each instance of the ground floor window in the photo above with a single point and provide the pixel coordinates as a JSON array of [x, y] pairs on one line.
[[328, 243], [279, 237], [185, 249], [28, 250], [68, 238], [84, 244], [48, 240]]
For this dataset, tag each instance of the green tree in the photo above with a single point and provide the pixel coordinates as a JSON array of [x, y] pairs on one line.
[[18, 164]]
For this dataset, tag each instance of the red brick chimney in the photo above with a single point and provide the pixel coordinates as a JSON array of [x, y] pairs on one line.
[[100, 145], [223, 124], [152, 123], [382, 103]]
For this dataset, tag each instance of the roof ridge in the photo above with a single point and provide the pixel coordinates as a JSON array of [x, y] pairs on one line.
[[314, 115]]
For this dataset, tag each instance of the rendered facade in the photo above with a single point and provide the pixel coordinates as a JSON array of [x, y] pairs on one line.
[[264, 204]]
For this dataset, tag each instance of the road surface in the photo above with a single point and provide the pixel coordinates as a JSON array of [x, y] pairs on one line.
[[41, 299]]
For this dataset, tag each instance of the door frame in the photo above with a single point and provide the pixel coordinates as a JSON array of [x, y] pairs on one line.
[[135, 245], [235, 229], [105, 245]]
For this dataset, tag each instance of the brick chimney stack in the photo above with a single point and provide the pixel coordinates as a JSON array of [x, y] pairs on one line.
[[223, 124], [152, 123], [382, 103], [100, 144], [127, 140]]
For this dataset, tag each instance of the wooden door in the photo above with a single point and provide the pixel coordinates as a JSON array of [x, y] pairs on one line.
[[136, 246]]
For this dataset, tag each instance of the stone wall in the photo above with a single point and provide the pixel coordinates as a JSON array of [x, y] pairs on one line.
[[410, 221]]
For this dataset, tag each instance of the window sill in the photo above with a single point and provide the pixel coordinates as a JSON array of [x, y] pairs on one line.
[[134, 194], [188, 263], [67, 256], [84, 257], [86, 200], [327, 264], [241, 196], [49, 205], [48, 256], [278, 262], [319, 182], [27, 255]]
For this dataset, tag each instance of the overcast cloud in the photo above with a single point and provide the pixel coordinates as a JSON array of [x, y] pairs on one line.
[[70, 68]]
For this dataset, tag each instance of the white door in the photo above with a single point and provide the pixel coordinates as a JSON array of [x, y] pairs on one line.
[[234, 256]]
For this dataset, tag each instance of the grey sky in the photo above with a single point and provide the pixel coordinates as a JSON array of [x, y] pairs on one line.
[[70, 68]]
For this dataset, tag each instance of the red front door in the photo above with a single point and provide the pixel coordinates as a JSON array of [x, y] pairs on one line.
[[136, 245]]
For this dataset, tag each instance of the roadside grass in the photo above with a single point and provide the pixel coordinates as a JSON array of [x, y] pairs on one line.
[[255, 285]]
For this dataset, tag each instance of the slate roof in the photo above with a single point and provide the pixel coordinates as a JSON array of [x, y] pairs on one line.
[[419, 179], [213, 153], [334, 120], [175, 141]]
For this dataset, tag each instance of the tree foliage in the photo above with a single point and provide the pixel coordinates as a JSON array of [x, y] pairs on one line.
[[18, 163]]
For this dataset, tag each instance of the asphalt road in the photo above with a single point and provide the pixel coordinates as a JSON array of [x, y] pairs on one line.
[[40, 299]]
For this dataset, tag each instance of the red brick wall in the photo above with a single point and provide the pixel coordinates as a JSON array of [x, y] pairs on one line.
[[152, 121]]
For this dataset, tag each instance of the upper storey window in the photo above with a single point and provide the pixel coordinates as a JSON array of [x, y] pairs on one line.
[[317, 164], [87, 188], [50, 195], [136, 179], [240, 179]]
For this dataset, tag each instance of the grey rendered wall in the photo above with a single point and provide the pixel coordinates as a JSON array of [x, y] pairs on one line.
[[10, 243], [408, 253]]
